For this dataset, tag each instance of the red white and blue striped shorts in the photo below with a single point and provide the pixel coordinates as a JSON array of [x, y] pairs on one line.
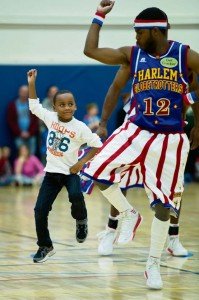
[[157, 159]]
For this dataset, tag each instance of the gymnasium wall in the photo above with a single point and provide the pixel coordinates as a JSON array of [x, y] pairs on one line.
[[88, 83], [54, 32], [50, 36]]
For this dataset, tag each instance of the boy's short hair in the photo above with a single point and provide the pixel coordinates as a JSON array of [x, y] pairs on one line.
[[61, 92]]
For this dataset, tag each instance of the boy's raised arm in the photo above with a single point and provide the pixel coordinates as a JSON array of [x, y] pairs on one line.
[[31, 76]]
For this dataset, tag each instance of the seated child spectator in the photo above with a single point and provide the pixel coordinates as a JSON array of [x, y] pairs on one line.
[[91, 119], [27, 168], [6, 177]]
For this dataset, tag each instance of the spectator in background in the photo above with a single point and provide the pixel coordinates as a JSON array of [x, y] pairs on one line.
[[6, 177], [48, 104], [91, 119], [48, 101], [23, 124], [191, 173], [27, 168]]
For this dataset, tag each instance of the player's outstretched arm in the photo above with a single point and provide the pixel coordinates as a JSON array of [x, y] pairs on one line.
[[194, 134], [193, 61], [31, 76], [92, 50], [112, 96], [193, 66]]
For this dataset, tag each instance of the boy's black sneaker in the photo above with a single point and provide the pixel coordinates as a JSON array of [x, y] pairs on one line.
[[81, 230], [43, 253]]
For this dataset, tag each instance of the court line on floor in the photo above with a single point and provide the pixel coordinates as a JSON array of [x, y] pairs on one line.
[[30, 237]]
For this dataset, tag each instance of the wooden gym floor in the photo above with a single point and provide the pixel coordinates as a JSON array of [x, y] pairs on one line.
[[76, 271]]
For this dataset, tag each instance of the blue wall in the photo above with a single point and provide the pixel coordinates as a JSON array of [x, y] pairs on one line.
[[88, 84]]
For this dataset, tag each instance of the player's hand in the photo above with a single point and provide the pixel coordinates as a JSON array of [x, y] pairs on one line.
[[102, 132], [194, 138], [31, 75], [105, 6]]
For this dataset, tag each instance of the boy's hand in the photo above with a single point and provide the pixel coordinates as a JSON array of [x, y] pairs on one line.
[[105, 6], [31, 75], [77, 167]]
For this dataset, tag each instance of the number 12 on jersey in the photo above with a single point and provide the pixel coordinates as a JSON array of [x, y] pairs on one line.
[[163, 104]]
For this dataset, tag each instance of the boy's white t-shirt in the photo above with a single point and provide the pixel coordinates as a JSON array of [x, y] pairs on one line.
[[64, 139]]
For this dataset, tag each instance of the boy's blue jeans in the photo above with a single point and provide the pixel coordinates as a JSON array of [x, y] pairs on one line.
[[51, 186]]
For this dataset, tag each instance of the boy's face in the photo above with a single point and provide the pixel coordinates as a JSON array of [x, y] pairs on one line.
[[65, 107]]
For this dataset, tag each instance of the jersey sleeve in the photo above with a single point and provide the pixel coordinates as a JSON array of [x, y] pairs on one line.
[[90, 138], [38, 110]]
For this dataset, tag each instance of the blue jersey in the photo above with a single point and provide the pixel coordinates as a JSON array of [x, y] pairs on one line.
[[158, 88]]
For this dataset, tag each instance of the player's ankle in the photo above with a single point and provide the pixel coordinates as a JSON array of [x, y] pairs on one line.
[[113, 222]]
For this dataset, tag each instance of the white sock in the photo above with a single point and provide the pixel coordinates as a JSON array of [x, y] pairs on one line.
[[116, 198], [159, 231], [174, 225]]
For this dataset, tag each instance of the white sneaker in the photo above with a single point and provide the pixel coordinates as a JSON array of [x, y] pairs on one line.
[[175, 247], [130, 221], [152, 274], [106, 241]]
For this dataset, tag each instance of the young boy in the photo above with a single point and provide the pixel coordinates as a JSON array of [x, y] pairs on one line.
[[65, 136]]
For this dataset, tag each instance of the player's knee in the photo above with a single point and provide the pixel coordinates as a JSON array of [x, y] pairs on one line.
[[162, 213], [124, 192]]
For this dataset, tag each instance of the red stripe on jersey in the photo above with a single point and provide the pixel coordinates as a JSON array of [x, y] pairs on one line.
[[129, 176], [112, 173], [178, 158], [161, 164], [117, 153], [154, 196], [125, 127], [138, 176], [144, 154]]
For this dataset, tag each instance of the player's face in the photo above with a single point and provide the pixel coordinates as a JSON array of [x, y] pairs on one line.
[[65, 107], [145, 40]]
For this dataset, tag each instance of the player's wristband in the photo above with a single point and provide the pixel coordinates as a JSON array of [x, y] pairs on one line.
[[98, 18], [190, 98]]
